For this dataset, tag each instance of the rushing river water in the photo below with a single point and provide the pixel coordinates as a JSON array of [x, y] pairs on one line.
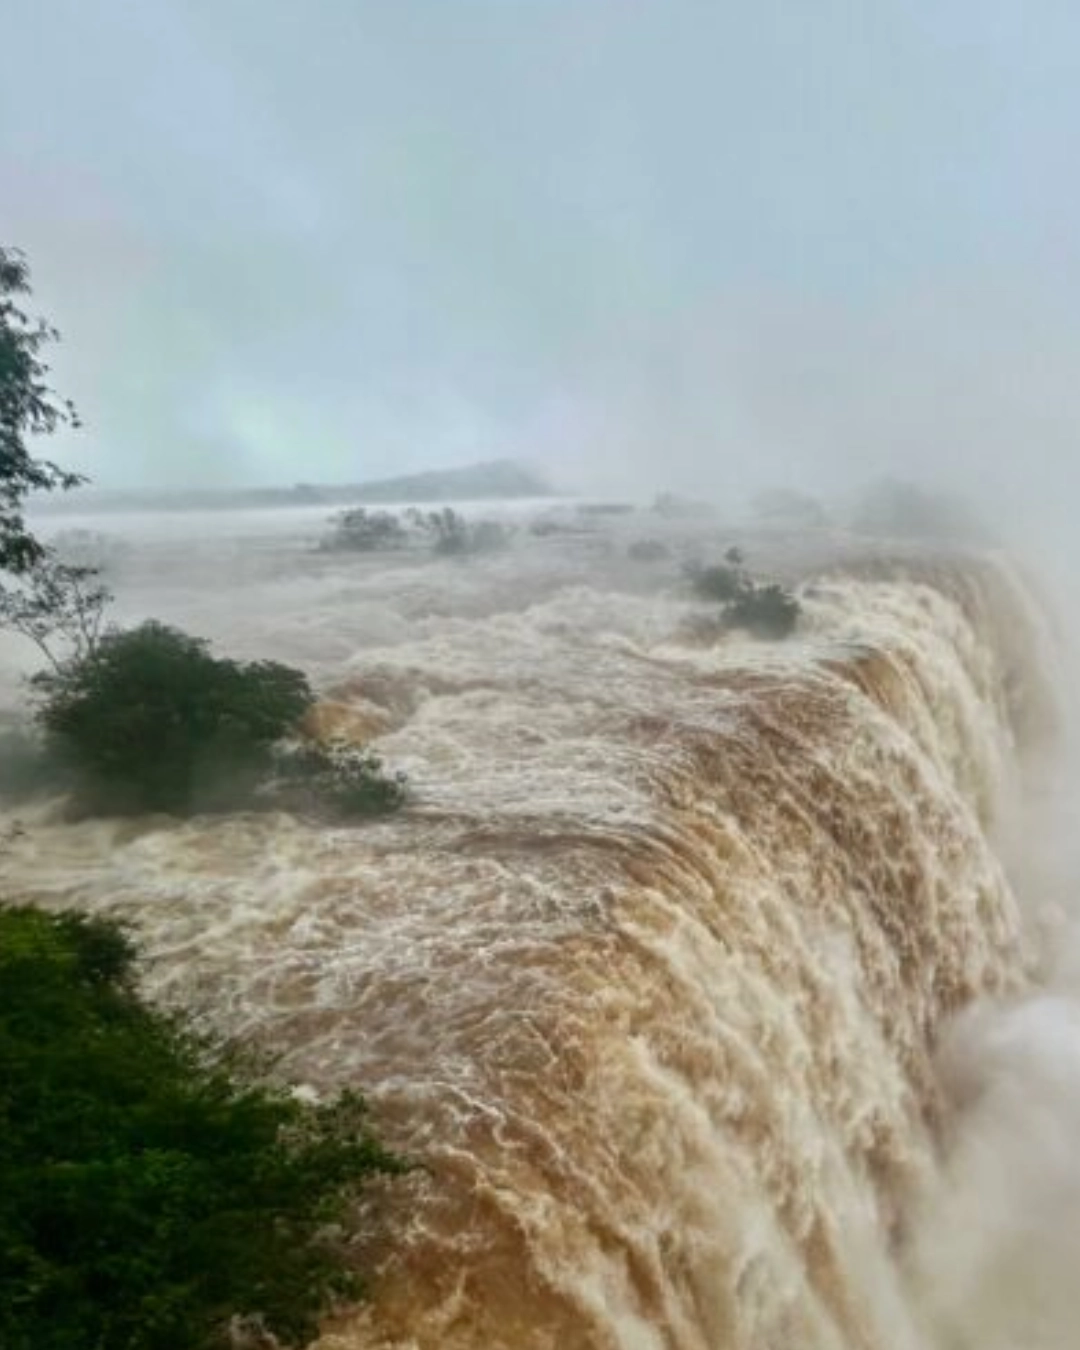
[[659, 973]]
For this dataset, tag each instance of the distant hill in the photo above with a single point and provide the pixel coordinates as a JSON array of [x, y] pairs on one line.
[[496, 479]]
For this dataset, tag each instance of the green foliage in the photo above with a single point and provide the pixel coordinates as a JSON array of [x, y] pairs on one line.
[[450, 534], [51, 602], [721, 582], [364, 531], [766, 611], [454, 537], [350, 782], [152, 722], [28, 407], [150, 1193], [49, 597]]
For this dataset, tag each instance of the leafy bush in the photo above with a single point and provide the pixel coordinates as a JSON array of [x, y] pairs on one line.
[[152, 722], [350, 782], [364, 531], [766, 611], [454, 537], [769, 611], [723, 581], [151, 1193]]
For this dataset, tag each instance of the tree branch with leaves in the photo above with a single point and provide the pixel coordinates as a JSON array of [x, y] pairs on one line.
[[45, 599], [53, 602], [28, 407]]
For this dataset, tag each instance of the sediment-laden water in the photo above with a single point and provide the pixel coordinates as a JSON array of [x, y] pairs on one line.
[[654, 973]]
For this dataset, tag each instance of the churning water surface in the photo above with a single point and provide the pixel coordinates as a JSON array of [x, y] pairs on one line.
[[706, 977]]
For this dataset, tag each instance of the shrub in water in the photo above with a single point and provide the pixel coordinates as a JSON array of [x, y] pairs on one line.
[[724, 581], [150, 1192], [346, 780], [766, 611], [769, 611], [152, 722], [363, 531], [454, 537]]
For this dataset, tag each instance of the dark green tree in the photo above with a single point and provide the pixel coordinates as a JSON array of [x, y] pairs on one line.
[[151, 1191], [28, 408], [766, 611], [364, 531], [151, 721], [722, 581]]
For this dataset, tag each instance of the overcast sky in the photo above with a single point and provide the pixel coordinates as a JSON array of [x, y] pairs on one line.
[[331, 239]]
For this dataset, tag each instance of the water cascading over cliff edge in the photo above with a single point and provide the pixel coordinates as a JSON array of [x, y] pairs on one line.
[[652, 980]]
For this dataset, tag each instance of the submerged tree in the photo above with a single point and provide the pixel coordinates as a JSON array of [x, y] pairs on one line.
[[455, 537], [148, 719], [721, 581], [362, 531], [153, 722], [339, 778], [28, 408], [765, 610]]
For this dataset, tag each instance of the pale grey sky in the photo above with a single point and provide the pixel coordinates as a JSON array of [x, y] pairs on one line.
[[331, 239]]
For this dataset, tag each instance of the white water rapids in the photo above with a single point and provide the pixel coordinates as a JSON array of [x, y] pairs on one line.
[[707, 978]]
